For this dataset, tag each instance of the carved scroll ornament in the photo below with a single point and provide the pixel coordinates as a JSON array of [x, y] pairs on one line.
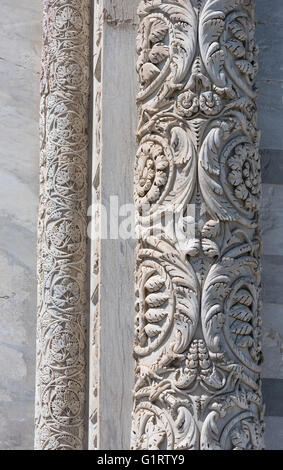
[[62, 310], [198, 325]]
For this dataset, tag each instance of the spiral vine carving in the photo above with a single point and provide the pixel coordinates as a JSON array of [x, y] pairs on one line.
[[62, 306]]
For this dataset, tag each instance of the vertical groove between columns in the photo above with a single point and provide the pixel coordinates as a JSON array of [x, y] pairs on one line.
[[62, 303], [94, 356]]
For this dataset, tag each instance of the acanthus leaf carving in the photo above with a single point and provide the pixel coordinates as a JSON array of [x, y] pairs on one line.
[[198, 336]]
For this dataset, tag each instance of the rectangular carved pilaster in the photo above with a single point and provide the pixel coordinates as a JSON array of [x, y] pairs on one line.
[[198, 278]]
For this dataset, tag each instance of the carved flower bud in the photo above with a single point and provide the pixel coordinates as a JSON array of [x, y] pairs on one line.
[[187, 104], [210, 103]]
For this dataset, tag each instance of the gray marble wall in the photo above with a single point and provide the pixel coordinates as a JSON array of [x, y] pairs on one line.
[[20, 49], [20, 44], [270, 83]]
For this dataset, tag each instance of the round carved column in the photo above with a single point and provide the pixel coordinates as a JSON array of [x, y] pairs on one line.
[[62, 307], [198, 277]]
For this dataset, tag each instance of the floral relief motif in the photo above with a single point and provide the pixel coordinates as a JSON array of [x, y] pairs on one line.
[[65, 178], [151, 172], [151, 430], [66, 125], [70, 73], [68, 22], [64, 346], [189, 104], [63, 400], [198, 309], [62, 311], [64, 234], [245, 175]]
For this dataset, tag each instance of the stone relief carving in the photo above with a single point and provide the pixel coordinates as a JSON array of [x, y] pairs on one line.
[[62, 307], [198, 324]]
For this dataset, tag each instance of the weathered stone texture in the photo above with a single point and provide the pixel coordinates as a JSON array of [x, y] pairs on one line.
[[270, 83], [63, 305], [198, 280], [20, 50]]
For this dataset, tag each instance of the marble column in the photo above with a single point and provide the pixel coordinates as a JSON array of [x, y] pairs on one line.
[[197, 194], [62, 302]]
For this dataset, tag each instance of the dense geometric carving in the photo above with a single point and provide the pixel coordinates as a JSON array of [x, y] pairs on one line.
[[198, 324], [62, 308]]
